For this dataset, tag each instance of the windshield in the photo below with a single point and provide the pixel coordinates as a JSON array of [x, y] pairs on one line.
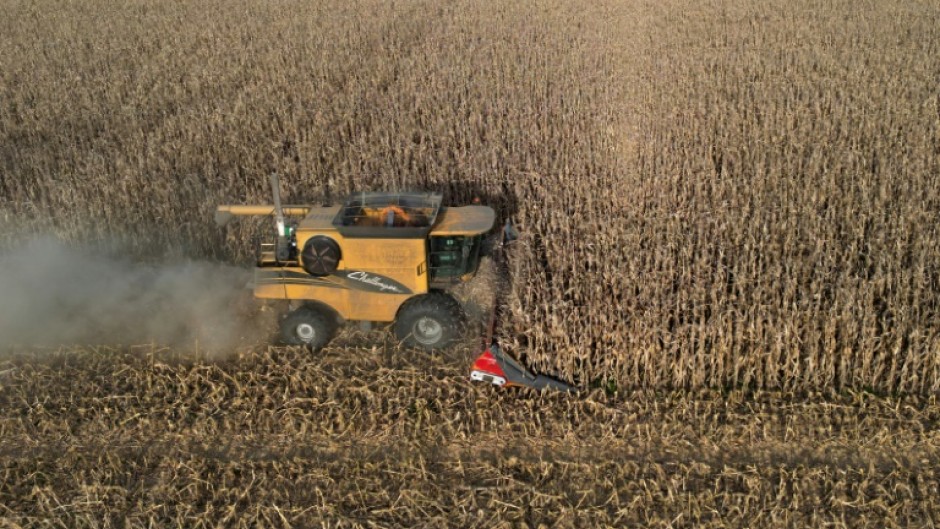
[[453, 257]]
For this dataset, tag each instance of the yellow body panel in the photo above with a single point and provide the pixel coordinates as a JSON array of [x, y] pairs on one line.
[[350, 304], [373, 279], [320, 219], [375, 276], [398, 259]]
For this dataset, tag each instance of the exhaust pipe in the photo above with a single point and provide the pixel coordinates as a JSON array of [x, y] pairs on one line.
[[278, 210], [283, 246]]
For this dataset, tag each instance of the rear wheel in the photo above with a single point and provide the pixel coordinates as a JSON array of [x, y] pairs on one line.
[[432, 321], [309, 326]]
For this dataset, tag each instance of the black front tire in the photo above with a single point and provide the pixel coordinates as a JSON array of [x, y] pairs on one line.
[[308, 326], [432, 321]]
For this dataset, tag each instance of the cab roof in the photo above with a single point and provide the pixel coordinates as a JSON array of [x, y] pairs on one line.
[[464, 220]]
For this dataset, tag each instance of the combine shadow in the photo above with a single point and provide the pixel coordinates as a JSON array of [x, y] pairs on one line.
[[503, 200]]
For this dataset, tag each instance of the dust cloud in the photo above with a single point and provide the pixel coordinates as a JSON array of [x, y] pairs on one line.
[[54, 294]]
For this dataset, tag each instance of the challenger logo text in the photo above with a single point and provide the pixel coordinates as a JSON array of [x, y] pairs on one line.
[[376, 281]]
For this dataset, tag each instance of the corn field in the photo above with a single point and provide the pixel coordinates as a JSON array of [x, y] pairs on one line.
[[730, 219], [737, 194], [141, 438]]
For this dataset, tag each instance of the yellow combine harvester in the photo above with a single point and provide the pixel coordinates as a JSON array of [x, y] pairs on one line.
[[378, 257], [382, 257]]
